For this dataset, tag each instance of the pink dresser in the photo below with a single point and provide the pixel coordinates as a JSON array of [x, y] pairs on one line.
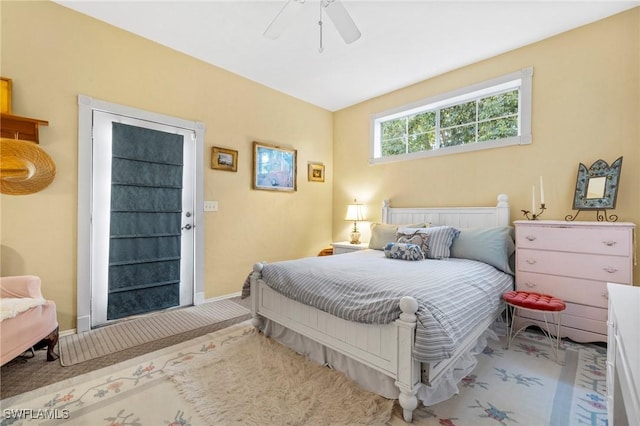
[[574, 261]]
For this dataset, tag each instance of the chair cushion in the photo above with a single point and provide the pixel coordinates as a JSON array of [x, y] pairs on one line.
[[531, 300]]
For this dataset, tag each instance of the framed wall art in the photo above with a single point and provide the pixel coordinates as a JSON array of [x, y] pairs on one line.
[[5, 95], [274, 168], [224, 159], [316, 172]]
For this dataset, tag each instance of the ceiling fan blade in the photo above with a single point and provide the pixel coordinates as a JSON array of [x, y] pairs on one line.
[[283, 19], [342, 21]]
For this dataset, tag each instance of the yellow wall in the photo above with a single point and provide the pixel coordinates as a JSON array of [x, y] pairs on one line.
[[53, 54], [586, 106]]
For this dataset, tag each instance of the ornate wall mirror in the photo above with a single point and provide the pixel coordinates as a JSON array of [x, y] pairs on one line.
[[597, 188]]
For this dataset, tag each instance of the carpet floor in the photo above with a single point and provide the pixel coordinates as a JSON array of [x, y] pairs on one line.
[[520, 386], [25, 374]]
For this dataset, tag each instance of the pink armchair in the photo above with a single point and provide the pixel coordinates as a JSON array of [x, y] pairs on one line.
[[28, 328]]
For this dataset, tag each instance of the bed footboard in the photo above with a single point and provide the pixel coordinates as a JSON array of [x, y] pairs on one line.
[[408, 371], [365, 343]]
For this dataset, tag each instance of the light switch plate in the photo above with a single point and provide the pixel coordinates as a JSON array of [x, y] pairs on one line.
[[210, 206]]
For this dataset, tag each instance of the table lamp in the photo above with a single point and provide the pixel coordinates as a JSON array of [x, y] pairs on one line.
[[355, 213]]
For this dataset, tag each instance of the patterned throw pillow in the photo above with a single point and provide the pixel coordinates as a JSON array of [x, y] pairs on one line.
[[403, 251], [440, 239], [418, 238]]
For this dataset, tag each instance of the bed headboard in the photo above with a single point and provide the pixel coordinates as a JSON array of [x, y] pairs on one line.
[[461, 217]]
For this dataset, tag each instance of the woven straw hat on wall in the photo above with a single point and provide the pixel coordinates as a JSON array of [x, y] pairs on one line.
[[25, 168]]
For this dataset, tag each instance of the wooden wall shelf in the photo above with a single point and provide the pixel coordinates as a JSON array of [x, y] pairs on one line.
[[23, 128]]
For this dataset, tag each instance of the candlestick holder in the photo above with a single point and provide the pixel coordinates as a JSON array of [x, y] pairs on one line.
[[533, 215]]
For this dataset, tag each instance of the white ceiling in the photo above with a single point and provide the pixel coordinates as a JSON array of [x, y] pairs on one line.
[[403, 42]]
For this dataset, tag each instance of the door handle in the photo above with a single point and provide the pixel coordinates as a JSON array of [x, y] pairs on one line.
[[187, 226]]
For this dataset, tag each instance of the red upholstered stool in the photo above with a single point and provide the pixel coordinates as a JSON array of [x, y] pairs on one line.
[[540, 303]]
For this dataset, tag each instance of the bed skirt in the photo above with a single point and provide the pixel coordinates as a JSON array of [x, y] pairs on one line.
[[374, 381]]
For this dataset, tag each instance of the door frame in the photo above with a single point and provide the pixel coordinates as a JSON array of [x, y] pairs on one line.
[[86, 106]]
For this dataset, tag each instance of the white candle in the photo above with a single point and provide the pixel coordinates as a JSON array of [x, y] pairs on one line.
[[541, 191], [533, 199]]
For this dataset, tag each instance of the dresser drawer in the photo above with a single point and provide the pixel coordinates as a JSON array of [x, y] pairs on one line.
[[590, 266], [577, 290], [606, 241], [576, 316]]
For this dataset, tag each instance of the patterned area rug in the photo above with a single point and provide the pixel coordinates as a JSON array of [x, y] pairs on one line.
[[525, 386], [521, 386], [102, 341]]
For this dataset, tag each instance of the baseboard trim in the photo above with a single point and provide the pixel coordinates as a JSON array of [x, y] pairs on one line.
[[68, 332], [226, 296]]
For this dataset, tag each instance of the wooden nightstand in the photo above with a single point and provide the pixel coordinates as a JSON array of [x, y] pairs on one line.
[[343, 247]]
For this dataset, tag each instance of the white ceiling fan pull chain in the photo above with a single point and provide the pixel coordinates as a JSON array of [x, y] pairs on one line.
[[321, 48]]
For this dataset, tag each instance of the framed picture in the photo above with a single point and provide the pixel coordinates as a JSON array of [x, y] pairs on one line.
[[274, 168], [224, 159], [316, 172], [5, 95]]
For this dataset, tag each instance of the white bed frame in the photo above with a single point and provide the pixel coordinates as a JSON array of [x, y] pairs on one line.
[[385, 348]]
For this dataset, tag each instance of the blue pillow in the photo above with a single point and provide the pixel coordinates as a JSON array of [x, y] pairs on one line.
[[489, 245], [404, 251]]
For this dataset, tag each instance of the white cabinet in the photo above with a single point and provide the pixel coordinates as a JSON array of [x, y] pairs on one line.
[[574, 261], [623, 355], [346, 247]]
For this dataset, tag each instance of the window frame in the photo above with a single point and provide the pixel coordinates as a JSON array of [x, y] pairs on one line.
[[521, 80]]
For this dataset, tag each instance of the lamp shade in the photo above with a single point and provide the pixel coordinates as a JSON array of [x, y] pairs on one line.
[[355, 212]]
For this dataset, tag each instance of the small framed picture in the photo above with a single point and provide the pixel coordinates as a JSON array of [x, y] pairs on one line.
[[5, 95], [274, 168], [316, 172], [224, 159]]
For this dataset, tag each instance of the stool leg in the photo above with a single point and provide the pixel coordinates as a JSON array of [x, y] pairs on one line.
[[553, 343], [514, 315], [558, 338], [509, 325]]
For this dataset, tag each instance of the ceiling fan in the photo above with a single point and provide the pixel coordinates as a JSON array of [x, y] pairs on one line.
[[334, 8]]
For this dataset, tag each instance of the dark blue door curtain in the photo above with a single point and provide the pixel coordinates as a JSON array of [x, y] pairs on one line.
[[146, 208]]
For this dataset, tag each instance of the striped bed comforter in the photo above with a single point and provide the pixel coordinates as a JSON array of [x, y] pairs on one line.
[[453, 294]]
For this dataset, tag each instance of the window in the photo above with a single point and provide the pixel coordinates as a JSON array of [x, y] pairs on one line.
[[490, 114]]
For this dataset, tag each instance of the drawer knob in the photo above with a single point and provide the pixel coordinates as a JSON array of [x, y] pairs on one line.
[[530, 237], [530, 285], [610, 269], [530, 261], [609, 243], [606, 296]]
